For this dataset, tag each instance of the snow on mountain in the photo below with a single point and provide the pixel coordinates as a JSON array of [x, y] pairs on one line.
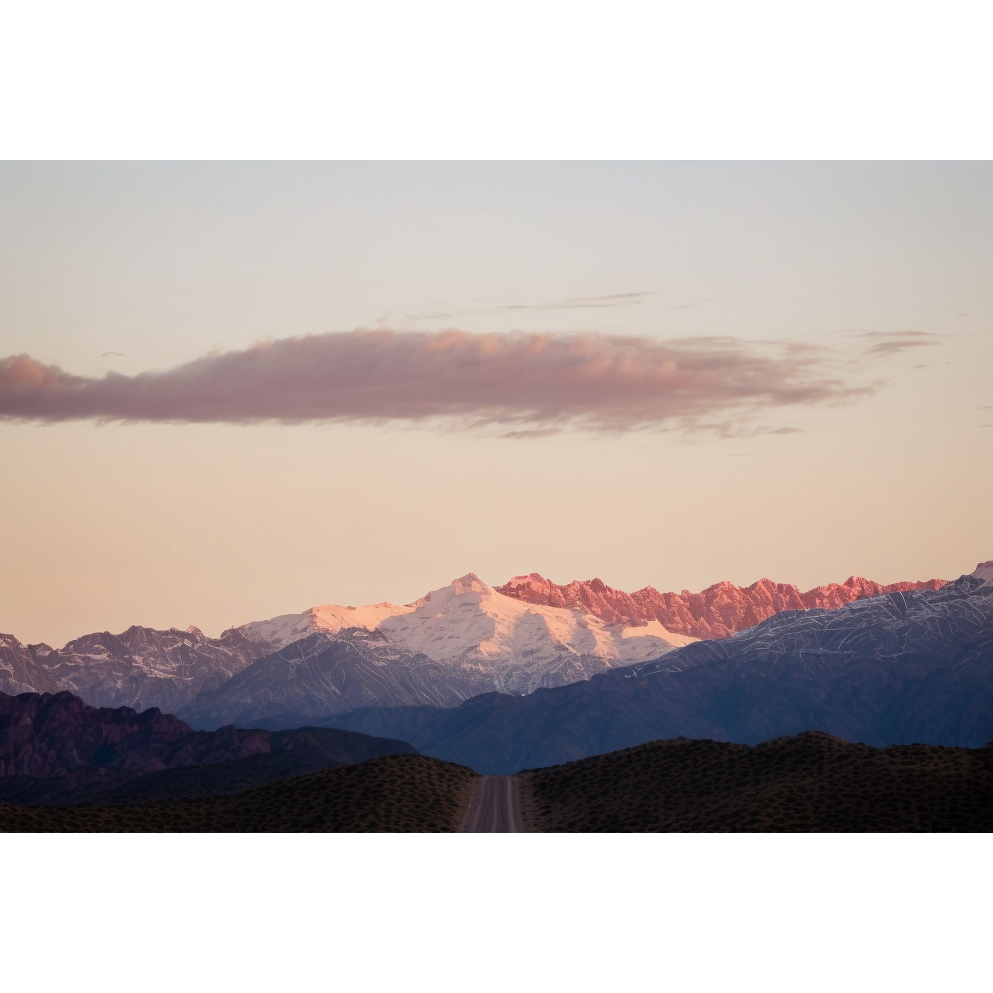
[[330, 619], [468, 618]]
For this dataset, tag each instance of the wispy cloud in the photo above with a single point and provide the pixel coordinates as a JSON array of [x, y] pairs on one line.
[[569, 303], [686, 306], [110, 355], [891, 342], [523, 383]]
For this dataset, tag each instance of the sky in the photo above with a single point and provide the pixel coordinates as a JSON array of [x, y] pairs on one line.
[[230, 391]]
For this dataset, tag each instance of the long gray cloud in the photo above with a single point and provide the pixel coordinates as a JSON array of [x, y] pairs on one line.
[[525, 383]]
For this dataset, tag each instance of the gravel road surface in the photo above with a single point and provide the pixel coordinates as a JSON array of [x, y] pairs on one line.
[[496, 806]]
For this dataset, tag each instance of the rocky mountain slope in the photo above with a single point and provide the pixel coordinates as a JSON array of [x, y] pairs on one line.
[[898, 668], [328, 674], [139, 668], [716, 612], [55, 747]]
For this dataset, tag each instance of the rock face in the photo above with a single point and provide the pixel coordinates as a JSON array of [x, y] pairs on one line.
[[53, 747], [900, 668], [139, 668], [716, 612]]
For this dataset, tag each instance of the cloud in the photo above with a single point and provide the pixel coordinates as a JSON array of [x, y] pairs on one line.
[[892, 347], [686, 306], [519, 382], [108, 355], [570, 303], [893, 342]]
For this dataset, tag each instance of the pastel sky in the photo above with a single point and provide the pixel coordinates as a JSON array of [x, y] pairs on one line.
[[229, 391]]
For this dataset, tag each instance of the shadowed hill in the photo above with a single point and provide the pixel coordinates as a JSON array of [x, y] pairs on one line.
[[54, 749], [397, 793], [808, 782]]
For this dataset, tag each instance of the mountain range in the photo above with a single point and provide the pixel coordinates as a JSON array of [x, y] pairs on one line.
[[454, 643], [897, 668], [489, 678]]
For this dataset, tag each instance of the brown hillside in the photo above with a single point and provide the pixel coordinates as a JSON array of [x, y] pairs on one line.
[[808, 782], [398, 793]]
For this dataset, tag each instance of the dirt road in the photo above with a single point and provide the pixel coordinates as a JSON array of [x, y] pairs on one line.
[[496, 807]]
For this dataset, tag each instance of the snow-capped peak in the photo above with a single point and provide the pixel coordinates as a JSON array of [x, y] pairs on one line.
[[469, 583], [984, 571], [470, 618]]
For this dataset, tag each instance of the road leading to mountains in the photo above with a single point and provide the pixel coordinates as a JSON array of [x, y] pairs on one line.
[[495, 807]]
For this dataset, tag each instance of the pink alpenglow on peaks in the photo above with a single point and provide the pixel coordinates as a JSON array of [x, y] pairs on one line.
[[716, 612]]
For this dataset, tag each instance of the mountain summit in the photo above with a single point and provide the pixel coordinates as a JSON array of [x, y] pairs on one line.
[[467, 619]]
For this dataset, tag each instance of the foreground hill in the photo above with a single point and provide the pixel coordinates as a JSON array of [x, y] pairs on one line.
[[56, 749], [716, 612], [395, 793], [895, 669], [809, 782]]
